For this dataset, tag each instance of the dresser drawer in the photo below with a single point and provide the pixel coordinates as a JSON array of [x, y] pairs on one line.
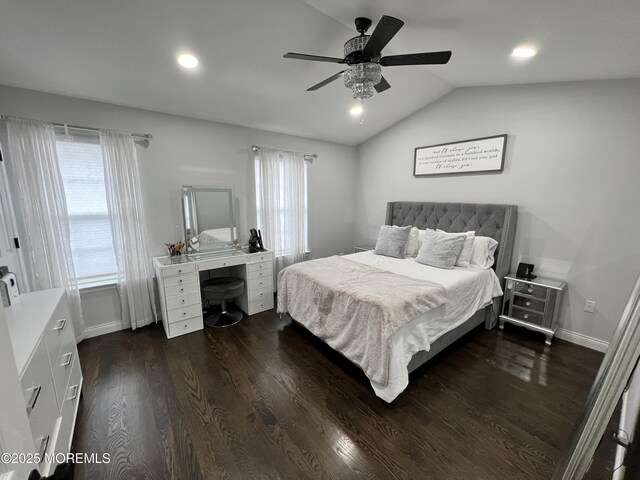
[[529, 303], [181, 279], [182, 289], [69, 409], [526, 316], [178, 269], [258, 306], [40, 398], [260, 283], [62, 367], [185, 326], [261, 274], [532, 290], [56, 330], [260, 294], [180, 314], [180, 301], [260, 257]]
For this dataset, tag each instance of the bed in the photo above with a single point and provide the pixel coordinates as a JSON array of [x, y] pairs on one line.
[[387, 348]]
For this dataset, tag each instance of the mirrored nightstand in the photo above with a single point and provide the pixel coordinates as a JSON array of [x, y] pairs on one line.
[[533, 304]]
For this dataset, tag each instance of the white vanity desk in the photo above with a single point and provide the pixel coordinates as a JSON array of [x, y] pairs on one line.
[[179, 285]]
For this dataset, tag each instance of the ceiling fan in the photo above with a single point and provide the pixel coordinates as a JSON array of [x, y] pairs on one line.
[[363, 55]]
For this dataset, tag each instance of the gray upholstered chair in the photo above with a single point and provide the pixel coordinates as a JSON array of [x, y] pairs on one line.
[[221, 290]]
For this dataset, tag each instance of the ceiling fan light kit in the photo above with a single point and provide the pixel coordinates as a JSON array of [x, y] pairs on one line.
[[363, 55]]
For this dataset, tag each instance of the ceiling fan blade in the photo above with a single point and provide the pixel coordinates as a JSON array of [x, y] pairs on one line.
[[385, 30], [314, 58], [324, 82], [382, 86], [427, 58]]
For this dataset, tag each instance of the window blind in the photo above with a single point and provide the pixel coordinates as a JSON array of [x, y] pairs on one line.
[[91, 238]]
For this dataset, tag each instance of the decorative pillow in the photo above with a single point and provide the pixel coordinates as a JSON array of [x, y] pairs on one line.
[[484, 249], [413, 245], [392, 241], [465, 255], [440, 249]]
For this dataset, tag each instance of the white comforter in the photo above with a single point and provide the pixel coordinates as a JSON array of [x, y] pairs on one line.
[[468, 290]]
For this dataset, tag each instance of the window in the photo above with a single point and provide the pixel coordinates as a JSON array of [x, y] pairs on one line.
[[281, 212], [84, 187]]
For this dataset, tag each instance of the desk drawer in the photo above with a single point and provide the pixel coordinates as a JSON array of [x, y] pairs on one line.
[[221, 263], [181, 301], [180, 314], [261, 274], [260, 294], [181, 279], [186, 326], [258, 306], [260, 257], [260, 283], [178, 269], [260, 267], [182, 290]]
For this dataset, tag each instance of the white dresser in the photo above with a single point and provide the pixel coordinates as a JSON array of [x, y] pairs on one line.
[[179, 286], [44, 347]]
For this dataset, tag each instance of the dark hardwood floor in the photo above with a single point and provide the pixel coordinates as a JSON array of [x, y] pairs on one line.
[[264, 399]]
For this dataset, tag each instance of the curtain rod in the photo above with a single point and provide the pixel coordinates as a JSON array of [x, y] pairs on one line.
[[255, 148], [144, 136]]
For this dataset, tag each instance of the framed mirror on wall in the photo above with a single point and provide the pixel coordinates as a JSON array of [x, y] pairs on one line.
[[617, 384], [209, 219]]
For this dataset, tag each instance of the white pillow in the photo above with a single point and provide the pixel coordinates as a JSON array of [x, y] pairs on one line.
[[483, 251], [465, 255], [413, 245], [441, 249]]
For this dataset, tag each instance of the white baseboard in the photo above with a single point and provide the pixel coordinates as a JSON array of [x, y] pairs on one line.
[[584, 340], [103, 329]]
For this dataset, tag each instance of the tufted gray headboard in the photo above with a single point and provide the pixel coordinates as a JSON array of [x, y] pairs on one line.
[[495, 221]]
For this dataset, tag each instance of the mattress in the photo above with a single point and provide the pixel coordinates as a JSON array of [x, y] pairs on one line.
[[468, 290]]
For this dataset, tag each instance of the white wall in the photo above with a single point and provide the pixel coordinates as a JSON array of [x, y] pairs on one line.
[[190, 151], [572, 167]]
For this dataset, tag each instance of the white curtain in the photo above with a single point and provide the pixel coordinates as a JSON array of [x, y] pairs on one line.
[[124, 202], [32, 146], [281, 194]]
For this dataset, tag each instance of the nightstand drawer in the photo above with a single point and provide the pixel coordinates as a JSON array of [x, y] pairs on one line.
[[526, 316], [532, 290], [529, 303]]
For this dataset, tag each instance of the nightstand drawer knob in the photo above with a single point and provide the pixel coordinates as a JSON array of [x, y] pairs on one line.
[[526, 315], [530, 290], [528, 304]]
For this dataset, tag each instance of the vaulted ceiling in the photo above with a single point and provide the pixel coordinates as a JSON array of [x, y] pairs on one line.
[[123, 52]]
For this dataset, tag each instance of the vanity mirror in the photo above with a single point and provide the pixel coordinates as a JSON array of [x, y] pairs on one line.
[[209, 220]]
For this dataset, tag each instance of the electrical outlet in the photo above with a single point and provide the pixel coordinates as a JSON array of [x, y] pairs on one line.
[[590, 306]]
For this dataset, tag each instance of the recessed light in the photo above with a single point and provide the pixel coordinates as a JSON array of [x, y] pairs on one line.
[[356, 110], [187, 60], [524, 52]]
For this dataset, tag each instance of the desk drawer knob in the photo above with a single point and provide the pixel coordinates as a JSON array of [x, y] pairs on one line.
[[34, 398], [186, 325], [184, 314], [224, 264], [75, 393], [183, 300], [530, 290], [67, 362], [180, 271], [526, 315], [60, 324], [180, 281], [528, 304]]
